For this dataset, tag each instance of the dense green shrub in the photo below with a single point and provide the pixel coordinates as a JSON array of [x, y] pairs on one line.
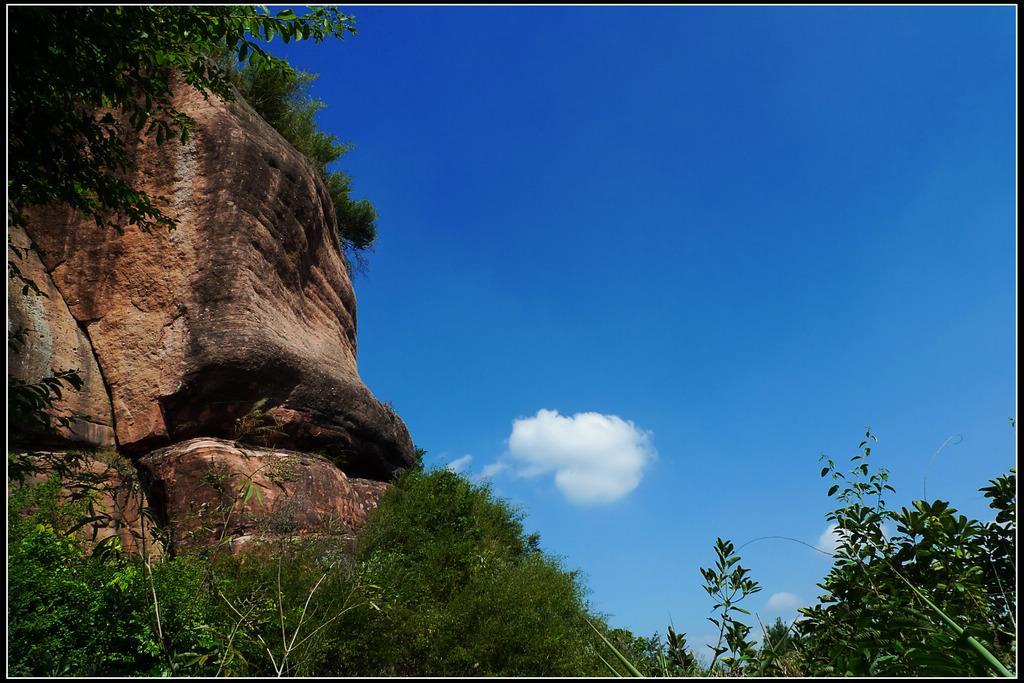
[[465, 591], [872, 621], [52, 601], [937, 598], [280, 607], [73, 614], [446, 583]]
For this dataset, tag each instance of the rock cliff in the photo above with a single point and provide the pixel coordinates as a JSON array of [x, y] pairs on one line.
[[179, 334]]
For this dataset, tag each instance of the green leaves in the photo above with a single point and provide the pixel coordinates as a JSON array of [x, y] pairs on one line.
[[468, 592], [632, 670], [729, 586], [877, 616], [880, 615], [978, 648], [447, 583], [282, 97], [88, 612], [30, 404]]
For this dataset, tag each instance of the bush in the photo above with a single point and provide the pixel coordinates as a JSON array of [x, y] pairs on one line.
[[278, 607], [69, 613], [446, 582], [872, 621], [939, 598], [465, 591]]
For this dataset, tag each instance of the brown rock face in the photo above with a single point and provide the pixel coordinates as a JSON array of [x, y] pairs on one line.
[[247, 299], [53, 341], [203, 486]]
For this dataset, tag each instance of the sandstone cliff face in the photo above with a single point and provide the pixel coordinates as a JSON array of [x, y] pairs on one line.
[[53, 341], [181, 333], [297, 493]]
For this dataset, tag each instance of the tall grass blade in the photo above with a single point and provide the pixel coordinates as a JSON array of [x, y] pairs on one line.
[[980, 649], [633, 671], [610, 667]]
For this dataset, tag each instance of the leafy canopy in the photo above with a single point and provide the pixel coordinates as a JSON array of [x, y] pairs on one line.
[[466, 591], [445, 583], [872, 619], [936, 598]]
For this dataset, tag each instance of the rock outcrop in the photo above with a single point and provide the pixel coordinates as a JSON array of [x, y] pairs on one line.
[[249, 492], [52, 340], [181, 333]]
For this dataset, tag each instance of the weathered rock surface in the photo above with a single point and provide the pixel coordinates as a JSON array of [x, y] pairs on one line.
[[247, 299], [203, 487], [53, 341]]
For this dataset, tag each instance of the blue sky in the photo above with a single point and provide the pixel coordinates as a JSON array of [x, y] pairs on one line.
[[642, 266]]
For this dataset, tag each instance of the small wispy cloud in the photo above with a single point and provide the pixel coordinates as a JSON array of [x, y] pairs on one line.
[[828, 542], [594, 458], [459, 465], [493, 469], [783, 601]]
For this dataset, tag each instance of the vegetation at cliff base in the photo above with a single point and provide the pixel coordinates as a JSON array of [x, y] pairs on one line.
[[445, 583], [468, 591]]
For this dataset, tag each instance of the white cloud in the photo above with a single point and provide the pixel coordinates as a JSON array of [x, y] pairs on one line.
[[829, 540], [595, 458], [782, 601], [459, 464], [493, 469]]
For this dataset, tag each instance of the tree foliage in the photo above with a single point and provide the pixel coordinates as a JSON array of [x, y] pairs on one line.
[[446, 582], [30, 404], [937, 598], [650, 657], [467, 592], [73, 613], [872, 621], [88, 83]]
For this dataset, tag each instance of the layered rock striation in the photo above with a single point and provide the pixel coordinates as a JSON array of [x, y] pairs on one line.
[[291, 493], [182, 333]]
